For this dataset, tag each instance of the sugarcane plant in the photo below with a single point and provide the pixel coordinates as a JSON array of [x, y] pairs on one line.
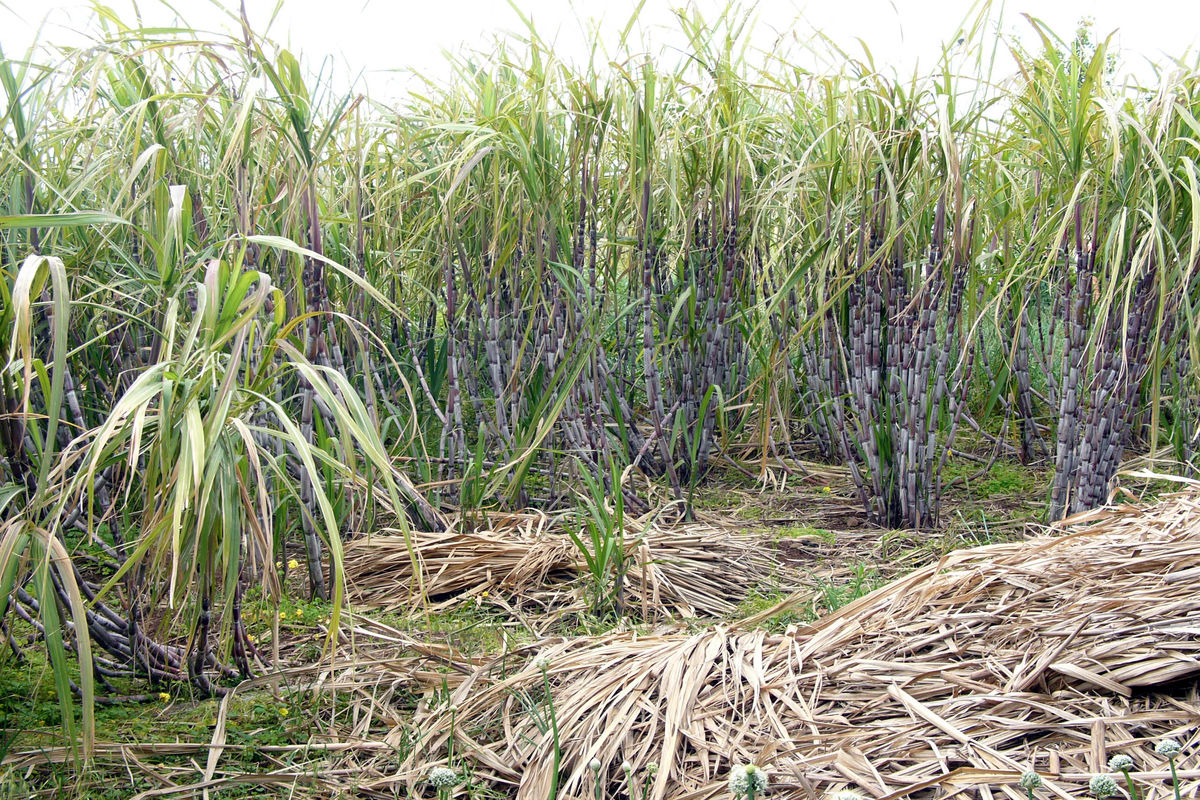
[[1112, 242], [247, 314], [889, 346]]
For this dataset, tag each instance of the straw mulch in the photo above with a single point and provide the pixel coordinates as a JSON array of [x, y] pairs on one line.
[[1054, 653], [527, 561]]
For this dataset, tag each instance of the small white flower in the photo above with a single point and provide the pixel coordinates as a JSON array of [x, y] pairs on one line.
[[744, 780], [594, 765], [626, 767], [1103, 786], [652, 768], [845, 794], [1030, 780], [1120, 763], [738, 783], [542, 662], [1167, 747], [442, 777]]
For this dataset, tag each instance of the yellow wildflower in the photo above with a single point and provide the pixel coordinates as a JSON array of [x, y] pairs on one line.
[[826, 490], [164, 697], [283, 711], [283, 615], [293, 563]]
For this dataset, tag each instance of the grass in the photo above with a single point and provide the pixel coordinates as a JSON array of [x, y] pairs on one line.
[[474, 629], [862, 581], [29, 712], [287, 719], [732, 501], [1010, 479], [1002, 478], [761, 599], [829, 595], [806, 532]]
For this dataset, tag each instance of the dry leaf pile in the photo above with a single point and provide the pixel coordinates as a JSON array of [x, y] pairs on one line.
[[1054, 653], [529, 560]]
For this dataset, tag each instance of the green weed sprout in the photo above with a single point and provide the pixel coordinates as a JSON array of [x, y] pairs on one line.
[[594, 766], [651, 771], [543, 663]]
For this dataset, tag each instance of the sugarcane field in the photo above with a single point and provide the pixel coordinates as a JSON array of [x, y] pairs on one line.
[[642, 400]]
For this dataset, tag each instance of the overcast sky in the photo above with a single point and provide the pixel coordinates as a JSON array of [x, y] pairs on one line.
[[378, 38]]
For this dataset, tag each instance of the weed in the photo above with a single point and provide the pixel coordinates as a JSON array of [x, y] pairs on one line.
[[831, 596], [604, 549], [806, 532]]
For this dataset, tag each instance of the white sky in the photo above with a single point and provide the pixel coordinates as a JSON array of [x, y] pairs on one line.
[[381, 38]]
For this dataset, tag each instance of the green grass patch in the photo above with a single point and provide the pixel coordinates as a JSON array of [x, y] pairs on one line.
[[759, 599], [1003, 478], [863, 580], [806, 532]]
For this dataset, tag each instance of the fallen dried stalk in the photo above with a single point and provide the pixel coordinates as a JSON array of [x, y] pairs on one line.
[[1049, 654], [678, 572]]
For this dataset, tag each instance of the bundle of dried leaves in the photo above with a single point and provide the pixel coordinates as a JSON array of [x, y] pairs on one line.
[[528, 559]]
